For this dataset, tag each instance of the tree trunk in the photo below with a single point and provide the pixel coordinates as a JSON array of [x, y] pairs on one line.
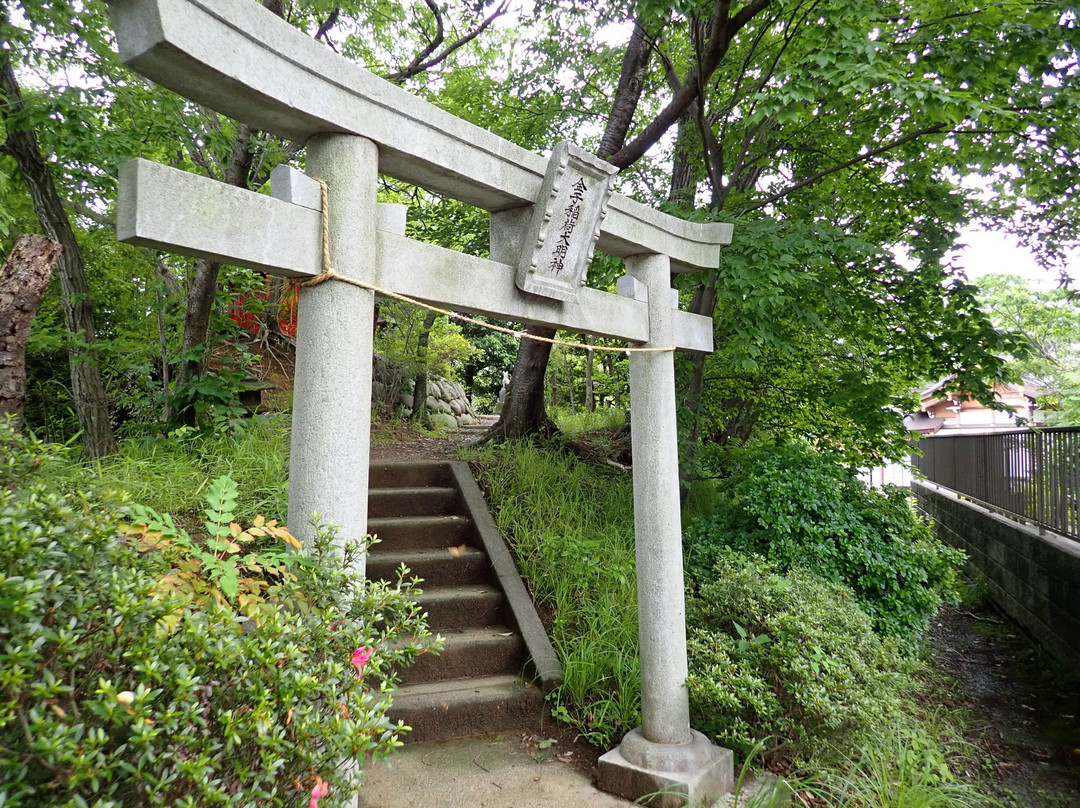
[[569, 380], [635, 69], [704, 303], [87, 389], [23, 280], [419, 396], [524, 413], [271, 318]]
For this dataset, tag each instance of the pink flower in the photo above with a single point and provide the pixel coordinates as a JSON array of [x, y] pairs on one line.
[[321, 790], [360, 658]]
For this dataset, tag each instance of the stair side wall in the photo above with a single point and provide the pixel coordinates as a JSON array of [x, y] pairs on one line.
[[522, 610]]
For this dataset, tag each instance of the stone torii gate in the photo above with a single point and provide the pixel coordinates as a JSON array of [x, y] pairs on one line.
[[239, 59]]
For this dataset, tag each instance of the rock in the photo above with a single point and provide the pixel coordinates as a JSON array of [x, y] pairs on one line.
[[455, 407], [441, 420], [405, 399]]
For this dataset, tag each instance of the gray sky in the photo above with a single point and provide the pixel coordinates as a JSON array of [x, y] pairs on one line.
[[1000, 253]]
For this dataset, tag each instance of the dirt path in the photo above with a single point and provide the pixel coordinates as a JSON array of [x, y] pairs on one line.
[[398, 442], [1024, 712]]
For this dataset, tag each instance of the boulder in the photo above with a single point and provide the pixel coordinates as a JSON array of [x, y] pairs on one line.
[[441, 420]]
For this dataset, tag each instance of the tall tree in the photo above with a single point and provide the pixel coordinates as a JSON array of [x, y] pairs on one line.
[[857, 118], [87, 389], [1047, 321]]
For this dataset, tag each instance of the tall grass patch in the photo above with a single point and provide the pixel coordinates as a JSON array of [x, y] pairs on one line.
[[571, 526], [172, 474], [575, 422]]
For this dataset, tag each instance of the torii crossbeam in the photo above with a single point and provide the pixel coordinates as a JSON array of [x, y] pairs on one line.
[[241, 60]]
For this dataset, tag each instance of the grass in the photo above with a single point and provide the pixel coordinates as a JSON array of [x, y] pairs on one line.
[[171, 474], [572, 530], [903, 768], [575, 422]]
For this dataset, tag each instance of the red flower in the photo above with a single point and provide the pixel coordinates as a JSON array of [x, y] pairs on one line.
[[360, 658]]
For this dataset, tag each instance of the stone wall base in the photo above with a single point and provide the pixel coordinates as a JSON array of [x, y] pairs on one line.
[[1034, 577]]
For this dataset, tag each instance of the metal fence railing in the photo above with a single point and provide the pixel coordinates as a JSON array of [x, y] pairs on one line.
[[1031, 474]]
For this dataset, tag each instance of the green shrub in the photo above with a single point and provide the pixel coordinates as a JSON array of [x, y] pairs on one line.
[[115, 691], [799, 507], [786, 660]]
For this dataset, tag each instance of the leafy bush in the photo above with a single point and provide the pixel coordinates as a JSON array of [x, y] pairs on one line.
[[786, 660], [116, 691], [802, 508]]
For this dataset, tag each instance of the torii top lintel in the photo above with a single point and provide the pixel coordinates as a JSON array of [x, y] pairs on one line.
[[238, 58]]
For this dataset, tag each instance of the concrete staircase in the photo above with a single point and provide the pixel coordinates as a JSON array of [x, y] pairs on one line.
[[497, 663]]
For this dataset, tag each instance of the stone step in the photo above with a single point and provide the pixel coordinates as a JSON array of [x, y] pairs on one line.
[[408, 474], [413, 501], [398, 533], [437, 566], [470, 652], [461, 707], [471, 606]]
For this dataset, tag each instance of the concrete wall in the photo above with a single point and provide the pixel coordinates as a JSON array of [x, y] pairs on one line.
[[1034, 578]]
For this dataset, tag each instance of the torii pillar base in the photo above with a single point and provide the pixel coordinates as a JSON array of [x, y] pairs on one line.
[[692, 773]]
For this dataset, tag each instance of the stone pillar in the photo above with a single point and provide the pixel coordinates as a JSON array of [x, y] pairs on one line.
[[664, 756], [665, 708], [331, 421]]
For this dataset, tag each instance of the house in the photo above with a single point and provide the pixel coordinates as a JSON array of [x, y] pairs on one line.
[[943, 413]]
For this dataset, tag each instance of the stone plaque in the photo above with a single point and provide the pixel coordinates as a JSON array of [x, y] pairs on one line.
[[565, 223]]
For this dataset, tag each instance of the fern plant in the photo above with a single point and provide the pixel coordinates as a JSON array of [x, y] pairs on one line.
[[231, 566]]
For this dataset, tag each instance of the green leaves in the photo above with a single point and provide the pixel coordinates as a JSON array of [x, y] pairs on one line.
[[142, 697], [220, 504], [807, 509], [794, 668]]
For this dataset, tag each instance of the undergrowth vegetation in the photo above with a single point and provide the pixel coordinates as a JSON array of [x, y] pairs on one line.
[[171, 473], [572, 530], [803, 508], [134, 673], [788, 662], [783, 661]]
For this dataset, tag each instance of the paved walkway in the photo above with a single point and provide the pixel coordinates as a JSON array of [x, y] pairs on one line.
[[491, 772]]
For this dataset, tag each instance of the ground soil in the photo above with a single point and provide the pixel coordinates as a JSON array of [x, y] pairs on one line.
[[1020, 710]]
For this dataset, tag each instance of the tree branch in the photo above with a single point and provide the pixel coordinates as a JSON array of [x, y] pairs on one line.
[[724, 28], [418, 65], [929, 130]]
